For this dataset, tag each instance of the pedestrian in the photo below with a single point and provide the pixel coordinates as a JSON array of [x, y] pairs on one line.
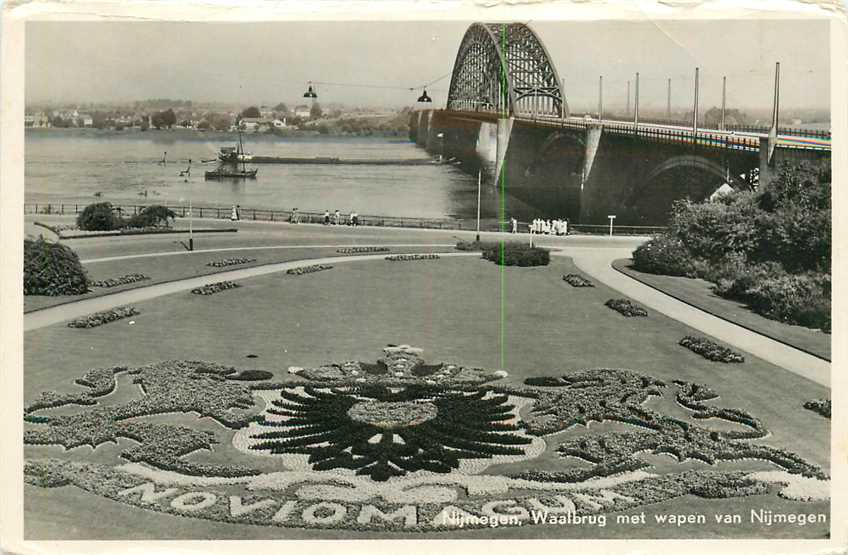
[[355, 218], [514, 224], [294, 216], [326, 217], [234, 214], [337, 218]]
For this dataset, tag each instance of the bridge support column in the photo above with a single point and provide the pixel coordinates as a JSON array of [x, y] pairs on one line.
[[504, 132]]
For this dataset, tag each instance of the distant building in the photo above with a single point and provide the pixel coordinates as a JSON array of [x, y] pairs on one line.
[[85, 120], [302, 111], [36, 120]]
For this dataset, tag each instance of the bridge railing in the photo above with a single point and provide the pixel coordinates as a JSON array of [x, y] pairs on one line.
[[268, 215]]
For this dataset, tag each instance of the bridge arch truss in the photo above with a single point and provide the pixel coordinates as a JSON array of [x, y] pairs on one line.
[[505, 69]]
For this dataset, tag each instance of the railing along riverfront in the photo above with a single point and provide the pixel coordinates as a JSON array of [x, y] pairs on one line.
[[288, 216]]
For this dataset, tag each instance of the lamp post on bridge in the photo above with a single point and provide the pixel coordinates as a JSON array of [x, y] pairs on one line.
[[723, 124], [668, 102], [636, 105], [697, 87], [601, 97], [628, 97]]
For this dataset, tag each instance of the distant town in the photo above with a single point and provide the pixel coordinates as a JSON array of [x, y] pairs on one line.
[[166, 114]]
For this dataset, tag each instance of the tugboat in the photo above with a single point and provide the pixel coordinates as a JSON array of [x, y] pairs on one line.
[[230, 158]]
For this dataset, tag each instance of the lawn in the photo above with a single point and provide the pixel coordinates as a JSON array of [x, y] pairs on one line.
[[451, 308], [698, 293]]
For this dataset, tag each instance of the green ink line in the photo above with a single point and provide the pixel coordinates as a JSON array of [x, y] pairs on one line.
[[502, 179]]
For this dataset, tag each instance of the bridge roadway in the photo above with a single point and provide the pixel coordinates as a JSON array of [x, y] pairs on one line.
[[592, 254], [737, 140]]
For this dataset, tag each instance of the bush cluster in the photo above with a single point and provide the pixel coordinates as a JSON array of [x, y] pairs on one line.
[[408, 257], [821, 406], [360, 250], [100, 318], [626, 307], [212, 288], [230, 262], [52, 269], [577, 281], [516, 254], [123, 280], [102, 216], [302, 270], [710, 349], [770, 249]]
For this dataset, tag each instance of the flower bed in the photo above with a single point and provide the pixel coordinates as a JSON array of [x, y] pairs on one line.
[[230, 262], [100, 318], [821, 406], [577, 281], [407, 257], [212, 288], [626, 308], [710, 349], [361, 250], [302, 270], [123, 280]]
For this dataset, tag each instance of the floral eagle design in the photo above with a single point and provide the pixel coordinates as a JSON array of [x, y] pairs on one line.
[[388, 419]]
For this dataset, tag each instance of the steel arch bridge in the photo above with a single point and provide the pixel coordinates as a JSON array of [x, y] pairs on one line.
[[505, 69]]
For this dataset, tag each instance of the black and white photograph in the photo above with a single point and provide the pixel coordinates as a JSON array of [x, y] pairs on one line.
[[515, 275]]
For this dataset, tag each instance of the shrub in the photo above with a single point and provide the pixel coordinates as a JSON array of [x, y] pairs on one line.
[[663, 255], [710, 349], [151, 216], [99, 217], [626, 308], [52, 269], [516, 254]]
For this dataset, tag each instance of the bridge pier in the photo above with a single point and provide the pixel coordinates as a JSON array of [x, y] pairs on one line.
[[504, 132]]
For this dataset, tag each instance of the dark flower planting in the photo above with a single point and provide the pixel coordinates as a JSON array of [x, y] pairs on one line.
[[618, 395], [383, 433], [821, 406], [710, 349], [577, 281], [626, 307], [123, 280], [230, 262], [302, 270], [100, 318], [407, 257], [361, 250], [212, 288], [173, 386]]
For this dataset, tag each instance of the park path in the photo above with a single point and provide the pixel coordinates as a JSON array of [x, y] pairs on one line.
[[61, 313], [598, 264]]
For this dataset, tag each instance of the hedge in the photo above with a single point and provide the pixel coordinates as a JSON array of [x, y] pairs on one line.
[[52, 269]]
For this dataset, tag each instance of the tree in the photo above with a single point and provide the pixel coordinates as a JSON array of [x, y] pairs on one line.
[[281, 108], [315, 112], [152, 216], [218, 121], [251, 112], [164, 119]]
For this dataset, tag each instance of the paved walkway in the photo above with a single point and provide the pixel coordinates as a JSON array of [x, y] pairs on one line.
[[597, 263]]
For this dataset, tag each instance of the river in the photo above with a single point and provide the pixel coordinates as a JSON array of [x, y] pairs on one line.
[[71, 165]]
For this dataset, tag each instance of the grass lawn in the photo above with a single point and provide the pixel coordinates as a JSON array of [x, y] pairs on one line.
[[175, 267], [698, 293], [453, 309]]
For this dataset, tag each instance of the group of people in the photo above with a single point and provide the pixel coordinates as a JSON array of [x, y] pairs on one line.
[[540, 226], [336, 218]]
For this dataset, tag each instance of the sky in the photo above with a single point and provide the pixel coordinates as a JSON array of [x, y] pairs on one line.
[[266, 63]]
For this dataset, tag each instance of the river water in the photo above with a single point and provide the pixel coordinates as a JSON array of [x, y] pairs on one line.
[[70, 166]]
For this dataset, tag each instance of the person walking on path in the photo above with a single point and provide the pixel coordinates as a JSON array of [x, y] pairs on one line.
[[337, 218], [326, 217], [234, 216], [514, 224]]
